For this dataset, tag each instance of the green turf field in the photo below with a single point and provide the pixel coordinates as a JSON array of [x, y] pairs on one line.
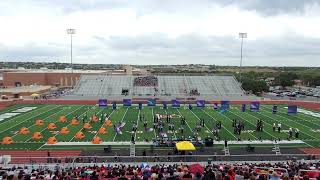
[[308, 125]]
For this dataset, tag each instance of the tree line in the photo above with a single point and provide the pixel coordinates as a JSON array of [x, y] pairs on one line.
[[255, 82]]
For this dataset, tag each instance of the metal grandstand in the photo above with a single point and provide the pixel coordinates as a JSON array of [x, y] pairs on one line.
[[180, 87]]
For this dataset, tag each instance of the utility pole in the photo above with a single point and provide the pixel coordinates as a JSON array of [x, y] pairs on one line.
[[242, 36]]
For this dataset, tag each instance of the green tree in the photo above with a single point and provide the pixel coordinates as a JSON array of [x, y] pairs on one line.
[[285, 79], [255, 86], [310, 79]]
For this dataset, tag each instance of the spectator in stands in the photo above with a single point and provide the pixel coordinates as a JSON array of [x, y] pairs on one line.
[[197, 176], [275, 176], [146, 81], [194, 92], [187, 175], [286, 171], [123, 176]]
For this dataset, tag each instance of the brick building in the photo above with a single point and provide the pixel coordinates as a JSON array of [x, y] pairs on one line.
[[50, 77], [40, 78]]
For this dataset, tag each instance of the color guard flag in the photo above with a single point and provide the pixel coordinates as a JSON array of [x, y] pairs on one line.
[[255, 106], [224, 106], [151, 102], [175, 103], [165, 105], [102, 103], [215, 106], [200, 103], [243, 107], [292, 109], [127, 102], [274, 109]]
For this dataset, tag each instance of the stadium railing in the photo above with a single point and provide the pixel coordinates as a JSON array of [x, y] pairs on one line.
[[158, 158]]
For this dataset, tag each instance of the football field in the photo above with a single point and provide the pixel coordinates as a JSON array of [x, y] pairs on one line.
[[13, 118]]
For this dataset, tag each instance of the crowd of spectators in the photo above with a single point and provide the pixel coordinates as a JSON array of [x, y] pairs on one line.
[[262, 171], [194, 92], [146, 81]]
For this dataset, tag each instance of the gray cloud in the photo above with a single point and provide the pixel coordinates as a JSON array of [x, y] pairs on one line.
[[192, 48], [71, 6], [32, 51], [60, 6], [271, 7], [161, 49], [263, 7]]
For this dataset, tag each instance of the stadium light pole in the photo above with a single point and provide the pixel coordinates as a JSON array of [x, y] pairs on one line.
[[71, 32], [242, 36]]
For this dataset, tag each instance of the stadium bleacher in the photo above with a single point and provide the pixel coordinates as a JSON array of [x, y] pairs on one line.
[[144, 171], [164, 87]]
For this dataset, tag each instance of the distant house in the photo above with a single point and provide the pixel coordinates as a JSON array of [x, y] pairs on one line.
[[269, 80], [298, 82]]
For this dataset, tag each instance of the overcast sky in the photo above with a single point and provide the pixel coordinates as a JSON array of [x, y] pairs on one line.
[[280, 32]]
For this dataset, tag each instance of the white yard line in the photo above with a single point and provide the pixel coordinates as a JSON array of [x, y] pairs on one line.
[[135, 133], [308, 120], [18, 115], [30, 118], [200, 120], [42, 119], [55, 120], [291, 126], [245, 120], [288, 126], [174, 132], [41, 146], [186, 120], [103, 124], [221, 124], [304, 114], [258, 118], [82, 127], [70, 123], [121, 120], [253, 124], [316, 124], [154, 131]]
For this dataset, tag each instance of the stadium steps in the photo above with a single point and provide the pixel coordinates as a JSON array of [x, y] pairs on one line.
[[19, 157], [276, 149], [174, 86], [226, 151], [132, 150]]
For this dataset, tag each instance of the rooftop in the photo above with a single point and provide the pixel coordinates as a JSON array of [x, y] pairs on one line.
[[21, 89], [51, 71]]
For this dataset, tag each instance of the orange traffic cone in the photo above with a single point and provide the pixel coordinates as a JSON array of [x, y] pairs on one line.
[[52, 140], [64, 130], [39, 122], [74, 122], [62, 119], [96, 140], [7, 140], [79, 135], [24, 130], [108, 122], [52, 126], [94, 118], [37, 136], [102, 130], [87, 126]]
